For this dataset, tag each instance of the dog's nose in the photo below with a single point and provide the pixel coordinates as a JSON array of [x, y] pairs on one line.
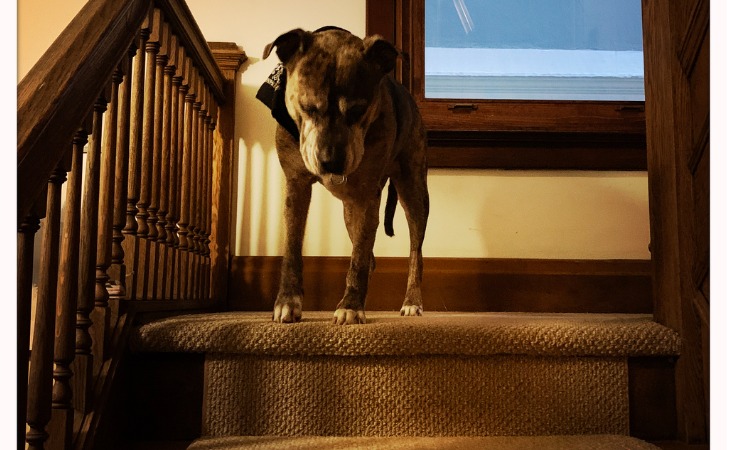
[[333, 166]]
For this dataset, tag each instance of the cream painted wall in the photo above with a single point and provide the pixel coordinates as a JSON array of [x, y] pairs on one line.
[[499, 214], [39, 23], [496, 214]]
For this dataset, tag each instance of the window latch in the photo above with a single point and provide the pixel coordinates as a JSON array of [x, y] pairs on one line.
[[462, 107]]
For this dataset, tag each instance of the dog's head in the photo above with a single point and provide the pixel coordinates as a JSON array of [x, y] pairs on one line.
[[333, 79]]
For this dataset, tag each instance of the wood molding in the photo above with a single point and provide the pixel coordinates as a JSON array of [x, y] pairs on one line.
[[691, 43], [458, 284], [538, 150]]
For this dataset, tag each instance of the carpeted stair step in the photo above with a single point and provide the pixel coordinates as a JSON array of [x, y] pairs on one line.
[[585, 442], [441, 375]]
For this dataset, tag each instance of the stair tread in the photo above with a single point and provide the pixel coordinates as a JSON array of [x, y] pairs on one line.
[[570, 442], [435, 333]]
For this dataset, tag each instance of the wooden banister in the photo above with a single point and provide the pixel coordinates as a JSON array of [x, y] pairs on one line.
[[134, 85], [60, 90]]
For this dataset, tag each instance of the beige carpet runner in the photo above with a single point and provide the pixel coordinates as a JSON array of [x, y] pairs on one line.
[[386, 333], [444, 380], [587, 442]]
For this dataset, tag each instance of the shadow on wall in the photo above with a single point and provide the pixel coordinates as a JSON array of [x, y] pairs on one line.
[[251, 166]]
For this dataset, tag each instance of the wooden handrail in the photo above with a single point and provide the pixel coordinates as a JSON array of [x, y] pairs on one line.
[[61, 88], [59, 91]]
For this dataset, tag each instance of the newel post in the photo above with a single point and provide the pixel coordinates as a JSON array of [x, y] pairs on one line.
[[229, 58]]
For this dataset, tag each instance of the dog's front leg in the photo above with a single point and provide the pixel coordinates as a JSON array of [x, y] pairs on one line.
[[362, 223], [288, 305]]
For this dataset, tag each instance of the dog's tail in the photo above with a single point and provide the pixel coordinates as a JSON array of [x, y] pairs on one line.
[[390, 204]]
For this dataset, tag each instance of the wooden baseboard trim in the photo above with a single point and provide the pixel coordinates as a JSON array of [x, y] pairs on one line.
[[458, 284]]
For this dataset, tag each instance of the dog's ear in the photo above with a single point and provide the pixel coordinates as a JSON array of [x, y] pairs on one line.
[[381, 53], [289, 44]]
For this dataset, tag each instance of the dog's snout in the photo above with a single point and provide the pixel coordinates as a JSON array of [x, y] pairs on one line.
[[334, 166]]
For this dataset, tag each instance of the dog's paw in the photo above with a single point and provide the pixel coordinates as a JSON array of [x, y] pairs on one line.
[[344, 316], [288, 311], [411, 310]]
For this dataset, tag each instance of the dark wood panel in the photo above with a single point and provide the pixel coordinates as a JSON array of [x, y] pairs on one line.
[[676, 37], [540, 150], [458, 284], [652, 412]]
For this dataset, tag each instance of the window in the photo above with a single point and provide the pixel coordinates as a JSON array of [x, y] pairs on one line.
[[528, 50], [510, 120]]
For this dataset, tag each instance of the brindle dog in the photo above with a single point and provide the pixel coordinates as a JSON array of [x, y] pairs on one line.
[[357, 128]]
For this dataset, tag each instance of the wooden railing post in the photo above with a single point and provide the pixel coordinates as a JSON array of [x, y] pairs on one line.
[[131, 244], [229, 59], [84, 361], [176, 123], [155, 231], [101, 315], [199, 112], [118, 269], [26, 234], [162, 270], [62, 417], [185, 198], [145, 230], [40, 381], [208, 182]]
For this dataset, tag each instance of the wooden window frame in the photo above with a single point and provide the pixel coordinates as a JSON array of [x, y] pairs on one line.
[[509, 134]]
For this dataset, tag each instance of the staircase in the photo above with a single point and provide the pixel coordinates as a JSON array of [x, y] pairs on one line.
[[130, 349], [445, 380]]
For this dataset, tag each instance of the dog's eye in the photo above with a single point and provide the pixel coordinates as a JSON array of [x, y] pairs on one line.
[[310, 110], [355, 113]]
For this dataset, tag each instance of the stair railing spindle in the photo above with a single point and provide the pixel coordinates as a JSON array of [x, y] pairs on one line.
[[163, 229], [101, 315], [118, 269], [185, 240], [154, 231], [176, 120], [144, 229], [209, 216], [26, 243], [62, 416], [197, 203], [40, 380], [131, 243], [84, 360]]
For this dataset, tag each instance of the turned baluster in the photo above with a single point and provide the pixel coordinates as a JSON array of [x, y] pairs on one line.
[[154, 232], [131, 243], [84, 361], [209, 216], [40, 380], [207, 183], [118, 270], [199, 107], [62, 418], [204, 191], [165, 152], [100, 315], [192, 237], [144, 229], [187, 161], [27, 227], [178, 100]]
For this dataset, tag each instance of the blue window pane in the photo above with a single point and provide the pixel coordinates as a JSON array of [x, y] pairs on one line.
[[534, 49]]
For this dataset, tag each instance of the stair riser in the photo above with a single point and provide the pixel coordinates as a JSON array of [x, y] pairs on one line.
[[414, 396]]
